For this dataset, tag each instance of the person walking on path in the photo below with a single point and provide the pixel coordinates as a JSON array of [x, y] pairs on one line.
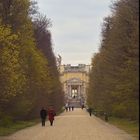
[[72, 108], [43, 115], [51, 114], [66, 107], [90, 111], [69, 108]]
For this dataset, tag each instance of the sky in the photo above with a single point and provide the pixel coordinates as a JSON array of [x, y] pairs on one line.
[[76, 27]]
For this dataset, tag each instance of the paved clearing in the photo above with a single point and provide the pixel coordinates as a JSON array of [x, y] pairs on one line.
[[74, 125]]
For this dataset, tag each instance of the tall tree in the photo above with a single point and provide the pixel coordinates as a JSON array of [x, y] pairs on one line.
[[43, 41], [114, 78]]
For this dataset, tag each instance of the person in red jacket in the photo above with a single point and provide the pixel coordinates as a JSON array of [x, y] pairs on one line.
[[51, 114]]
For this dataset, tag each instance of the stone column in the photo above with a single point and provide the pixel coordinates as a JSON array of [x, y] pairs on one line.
[[65, 89], [79, 91], [70, 91], [82, 89]]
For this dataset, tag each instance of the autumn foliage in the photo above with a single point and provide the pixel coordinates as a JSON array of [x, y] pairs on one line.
[[28, 73]]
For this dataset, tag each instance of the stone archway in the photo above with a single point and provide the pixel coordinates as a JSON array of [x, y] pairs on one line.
[[75, 89]]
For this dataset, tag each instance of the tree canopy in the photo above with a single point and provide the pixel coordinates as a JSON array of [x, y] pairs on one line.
[[114, 79], [28, 74]]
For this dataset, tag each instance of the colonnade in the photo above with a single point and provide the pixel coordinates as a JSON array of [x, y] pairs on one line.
[[77, 90]]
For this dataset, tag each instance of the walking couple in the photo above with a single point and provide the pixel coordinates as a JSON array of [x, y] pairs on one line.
[[50, 113]]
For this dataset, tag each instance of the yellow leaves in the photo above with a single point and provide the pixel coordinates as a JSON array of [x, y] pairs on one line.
[[6, 37], [10, 69], [24, 71]]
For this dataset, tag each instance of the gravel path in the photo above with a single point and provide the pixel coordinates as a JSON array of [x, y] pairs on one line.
[[74, 125]]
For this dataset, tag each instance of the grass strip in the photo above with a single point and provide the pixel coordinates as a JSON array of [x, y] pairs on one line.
[[131, 127], [7, 130]]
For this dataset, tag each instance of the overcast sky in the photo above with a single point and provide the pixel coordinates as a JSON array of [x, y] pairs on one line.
[[76, 30]]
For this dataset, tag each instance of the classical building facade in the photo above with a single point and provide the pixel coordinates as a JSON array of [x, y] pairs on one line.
[[75, 80]]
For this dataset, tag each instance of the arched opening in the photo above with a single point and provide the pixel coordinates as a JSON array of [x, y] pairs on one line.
[[74, 91]]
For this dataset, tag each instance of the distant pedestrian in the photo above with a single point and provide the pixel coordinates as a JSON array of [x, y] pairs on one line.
[[90, 111], [66, 107], [43, 115], [51, 114], [69, 108], [72, 108]]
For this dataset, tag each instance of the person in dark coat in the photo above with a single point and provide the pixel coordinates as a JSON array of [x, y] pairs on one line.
[[69, 108], [51, 114], [90, 111], [43, 115], [72, 108]]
